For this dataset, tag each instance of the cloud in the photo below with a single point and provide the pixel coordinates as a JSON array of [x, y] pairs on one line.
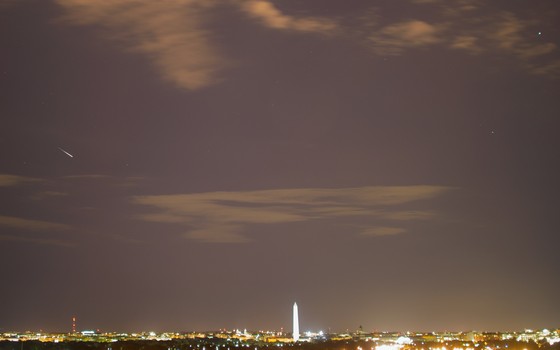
[[175, 34], [460, 7], [405, 215], [7, 180], [382, 231], [551, 69], [272, 17], [425, 1], [415, 33], [171, 33], [507, 32], [509, 35], [471, 26], [222, 217], [394, 38], [53, 193], [451, 8], [49, 194], [467, 43], [87, 176], [35, 240], [130, 181], [28, 224]]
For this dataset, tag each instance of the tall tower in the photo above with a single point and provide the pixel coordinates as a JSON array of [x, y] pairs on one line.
[[73, 324], [295, 330]]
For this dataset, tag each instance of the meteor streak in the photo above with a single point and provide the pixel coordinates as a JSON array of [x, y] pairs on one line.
[[68, 154]]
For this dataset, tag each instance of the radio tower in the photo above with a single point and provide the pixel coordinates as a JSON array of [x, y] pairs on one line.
[[73, 324]]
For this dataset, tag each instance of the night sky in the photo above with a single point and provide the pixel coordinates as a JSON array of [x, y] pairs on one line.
[[191, 165]]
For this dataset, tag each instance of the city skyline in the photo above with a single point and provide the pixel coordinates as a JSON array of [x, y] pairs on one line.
[[294, 335], [281, 335], [202, 164]]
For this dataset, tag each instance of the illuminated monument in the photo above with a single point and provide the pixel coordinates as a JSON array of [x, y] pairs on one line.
[[295, 331]]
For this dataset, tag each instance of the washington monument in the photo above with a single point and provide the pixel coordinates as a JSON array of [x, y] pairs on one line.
[[295, 330]]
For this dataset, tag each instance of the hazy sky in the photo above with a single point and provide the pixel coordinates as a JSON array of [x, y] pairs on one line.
[[202, 164]]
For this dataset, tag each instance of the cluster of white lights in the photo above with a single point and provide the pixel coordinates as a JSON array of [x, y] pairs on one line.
[[388, 347]]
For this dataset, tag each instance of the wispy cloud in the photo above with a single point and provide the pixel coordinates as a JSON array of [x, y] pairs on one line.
[[29, 224], [548, 69], [177, 36], [7, 180], [49, 194], [466, 42], [382, 231], [87, 176], [35, 240], [474, 27], [509, 35], [171, 33], [130, 181], [272, 17], [395, 38], [223, 217], [28, 227], [452, 8]]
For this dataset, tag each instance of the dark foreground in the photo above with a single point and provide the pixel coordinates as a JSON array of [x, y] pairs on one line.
[[324, 345]]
